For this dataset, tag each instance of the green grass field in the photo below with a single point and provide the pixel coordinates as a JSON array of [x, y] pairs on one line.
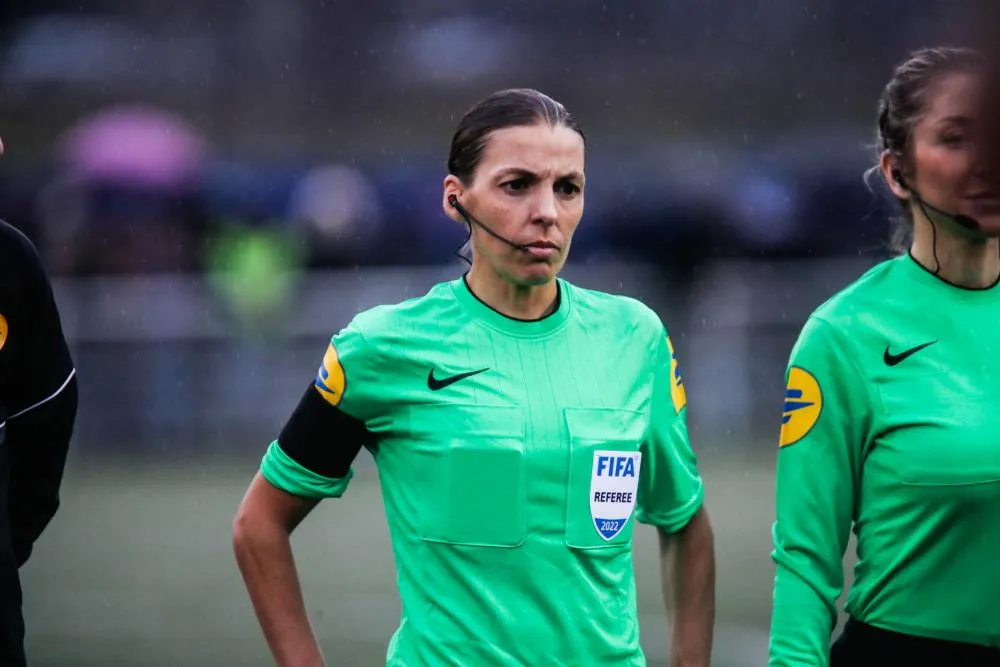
[[137, 569]]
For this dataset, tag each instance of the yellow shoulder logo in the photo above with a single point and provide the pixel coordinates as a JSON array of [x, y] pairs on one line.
[[3, 331], [803, 405], [677, 393], [330, 379]]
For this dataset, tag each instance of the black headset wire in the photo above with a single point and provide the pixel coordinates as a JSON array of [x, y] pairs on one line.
[[920, 203], [468, 239], [898, 176]]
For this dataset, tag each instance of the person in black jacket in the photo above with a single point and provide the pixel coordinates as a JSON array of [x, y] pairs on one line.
[[38, 402]]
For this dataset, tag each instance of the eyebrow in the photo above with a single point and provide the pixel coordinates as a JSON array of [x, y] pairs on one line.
[[956, 120], [521, 171]]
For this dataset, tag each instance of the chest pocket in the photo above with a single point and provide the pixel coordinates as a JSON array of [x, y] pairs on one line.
[[471, 460], [604, 467], [948, 431]]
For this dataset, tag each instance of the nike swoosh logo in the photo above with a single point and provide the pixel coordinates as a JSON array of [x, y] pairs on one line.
[[893, 359], [434, 384]]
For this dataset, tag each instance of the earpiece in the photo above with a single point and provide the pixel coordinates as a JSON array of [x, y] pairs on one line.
[[897, 176], [453, 200]]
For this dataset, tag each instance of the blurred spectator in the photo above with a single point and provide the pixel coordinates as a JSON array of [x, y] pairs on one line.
[[124, 198], [336, 210], [254, 269]]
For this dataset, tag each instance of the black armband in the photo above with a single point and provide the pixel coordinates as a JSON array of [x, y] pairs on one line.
[[322, 438]]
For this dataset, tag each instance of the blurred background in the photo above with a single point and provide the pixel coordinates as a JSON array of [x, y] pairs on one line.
[[217, 187]]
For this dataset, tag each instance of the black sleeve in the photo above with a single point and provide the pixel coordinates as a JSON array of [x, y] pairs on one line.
[[41, 411], [322, 438], [38, 442]]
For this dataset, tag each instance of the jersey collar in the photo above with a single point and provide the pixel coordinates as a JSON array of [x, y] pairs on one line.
[[511, 325], [923, 275]]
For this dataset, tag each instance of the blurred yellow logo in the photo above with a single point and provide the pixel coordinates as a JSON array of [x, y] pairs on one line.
[[330, 379], [3, 331], [677, 393], [803, 405]]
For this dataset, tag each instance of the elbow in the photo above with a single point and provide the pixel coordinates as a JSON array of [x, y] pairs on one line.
[[254, 531], [244, 534], [46, 509], [246, 545], [265, 519]]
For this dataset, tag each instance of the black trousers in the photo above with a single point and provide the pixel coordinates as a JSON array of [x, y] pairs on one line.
[[863, 645], [11, 619]]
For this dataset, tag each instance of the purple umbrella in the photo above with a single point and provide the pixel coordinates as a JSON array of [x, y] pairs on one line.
[[133, 146]]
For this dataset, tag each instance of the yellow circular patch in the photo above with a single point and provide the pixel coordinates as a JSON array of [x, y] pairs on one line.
[[677, 393], [803, 405], [330, 379], [3, 331]]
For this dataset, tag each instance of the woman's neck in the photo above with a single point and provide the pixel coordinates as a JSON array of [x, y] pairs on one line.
[[531, 302], [969, 263]]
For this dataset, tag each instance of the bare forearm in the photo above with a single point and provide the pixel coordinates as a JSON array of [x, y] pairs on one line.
[[264, 555], [688, 573]]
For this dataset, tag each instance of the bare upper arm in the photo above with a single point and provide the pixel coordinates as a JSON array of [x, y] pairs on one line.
[[699, 528], [265, 503]]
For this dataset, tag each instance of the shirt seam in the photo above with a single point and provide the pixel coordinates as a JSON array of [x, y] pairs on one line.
[[653, 375], [381, 361], [875, 399]]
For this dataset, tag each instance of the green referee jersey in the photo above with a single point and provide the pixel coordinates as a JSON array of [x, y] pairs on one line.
[[891, 425], [512, 456]]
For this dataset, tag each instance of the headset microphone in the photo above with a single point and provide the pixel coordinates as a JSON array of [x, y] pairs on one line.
[[965, 221], [453, 200]]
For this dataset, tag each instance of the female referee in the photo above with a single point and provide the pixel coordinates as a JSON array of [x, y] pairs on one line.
[[892, 411], [516, 420]]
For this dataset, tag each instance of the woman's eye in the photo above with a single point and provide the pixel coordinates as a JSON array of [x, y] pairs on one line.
[[954, 139], [515, 185]]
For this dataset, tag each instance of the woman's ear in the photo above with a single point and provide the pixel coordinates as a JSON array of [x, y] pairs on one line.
[[452, 188], [893, 175]]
